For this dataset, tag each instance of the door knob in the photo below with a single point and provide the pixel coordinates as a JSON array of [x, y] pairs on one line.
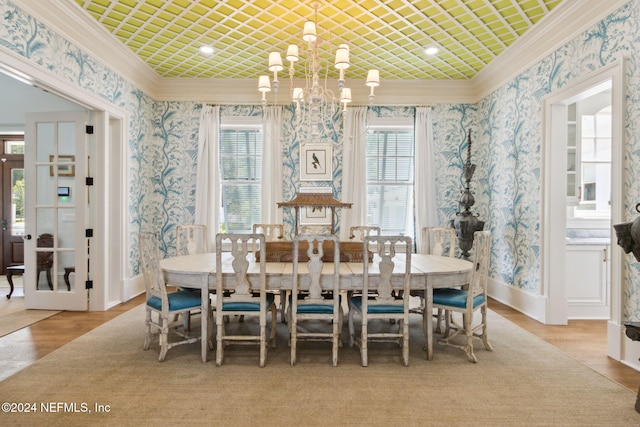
[[26, 236]]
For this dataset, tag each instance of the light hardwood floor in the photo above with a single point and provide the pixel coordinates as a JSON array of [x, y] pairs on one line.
[[585, 340]]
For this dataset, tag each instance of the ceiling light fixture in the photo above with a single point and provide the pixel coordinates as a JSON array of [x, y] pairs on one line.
[[207, 50], [431, 50], [315, 103]]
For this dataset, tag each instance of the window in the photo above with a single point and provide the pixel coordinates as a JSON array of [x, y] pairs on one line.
[[13, 144], [241, 166], [390, 160], [12, 148]]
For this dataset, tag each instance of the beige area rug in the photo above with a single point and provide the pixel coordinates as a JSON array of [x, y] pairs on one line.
[[524, 381], [13, 315]]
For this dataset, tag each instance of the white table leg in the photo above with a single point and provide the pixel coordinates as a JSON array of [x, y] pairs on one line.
[[428, 313], [204, 316]]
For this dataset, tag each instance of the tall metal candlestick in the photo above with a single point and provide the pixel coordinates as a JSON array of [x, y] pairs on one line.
[[465, 222]]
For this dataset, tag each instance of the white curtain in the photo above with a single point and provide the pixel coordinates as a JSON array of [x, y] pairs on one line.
[[426, 213], [272, 166], [208, 173], [354, 177]]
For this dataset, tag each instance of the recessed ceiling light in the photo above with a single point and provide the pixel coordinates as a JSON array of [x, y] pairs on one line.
[[207, 50], [431, 50]]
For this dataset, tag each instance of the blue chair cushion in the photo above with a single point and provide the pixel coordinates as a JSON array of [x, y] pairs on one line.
[[190, 290], [455, 298], [356, 302], [181, 300], [316, 308], [247, 306]]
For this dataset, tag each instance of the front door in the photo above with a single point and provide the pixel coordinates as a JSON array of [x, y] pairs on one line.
[[56, 245], [12, 196]]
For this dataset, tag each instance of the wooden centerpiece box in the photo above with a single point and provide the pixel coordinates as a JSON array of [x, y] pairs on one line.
[[283, 252]]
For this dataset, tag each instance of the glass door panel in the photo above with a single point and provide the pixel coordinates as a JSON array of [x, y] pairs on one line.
[[57, 144]]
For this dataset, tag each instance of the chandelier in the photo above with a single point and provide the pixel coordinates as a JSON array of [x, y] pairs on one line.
[[315, 103]]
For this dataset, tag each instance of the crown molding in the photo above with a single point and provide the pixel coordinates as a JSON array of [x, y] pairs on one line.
[[563, 23], [245, 91], [567, 20], [67, 19]]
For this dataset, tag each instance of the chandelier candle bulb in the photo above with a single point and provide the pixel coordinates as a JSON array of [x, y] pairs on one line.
[[292, 53], [275, 65], [342, 57], [309, 32], [292, 56], [345, 98], [275, 62], [373, 80], [264, 86]]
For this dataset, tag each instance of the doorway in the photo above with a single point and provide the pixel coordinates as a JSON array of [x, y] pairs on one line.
[[36, 91], [589, 228], [555, 200], [13, 197]]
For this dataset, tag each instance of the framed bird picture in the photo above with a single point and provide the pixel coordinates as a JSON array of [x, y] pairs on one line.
[[316, 162]]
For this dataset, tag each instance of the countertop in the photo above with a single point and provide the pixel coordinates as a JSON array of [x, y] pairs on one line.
[[583, 237]]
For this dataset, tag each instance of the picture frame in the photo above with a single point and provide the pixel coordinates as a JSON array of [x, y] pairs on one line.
[[315, 216], [66, 165], [316, 162]]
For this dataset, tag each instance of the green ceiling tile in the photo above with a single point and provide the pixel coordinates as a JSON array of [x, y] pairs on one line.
[[122, 9], [110, 24], [175, 29], [96, 10]]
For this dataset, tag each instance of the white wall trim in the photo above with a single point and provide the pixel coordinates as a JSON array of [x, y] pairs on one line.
[[622, 348], [245, 92], [69, 20], [133, 287], [565, 22], [525, 302]]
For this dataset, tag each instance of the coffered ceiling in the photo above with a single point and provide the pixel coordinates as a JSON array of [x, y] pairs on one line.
[[389, 35]]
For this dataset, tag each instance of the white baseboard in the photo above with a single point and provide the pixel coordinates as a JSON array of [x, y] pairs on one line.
[[133, 287], [529, 304], [615, 340], [630, 351]]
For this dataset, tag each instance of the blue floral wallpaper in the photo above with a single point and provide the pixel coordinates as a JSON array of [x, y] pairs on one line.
[[505, 128]]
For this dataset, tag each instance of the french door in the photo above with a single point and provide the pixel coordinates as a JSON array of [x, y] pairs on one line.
[[56, 239]]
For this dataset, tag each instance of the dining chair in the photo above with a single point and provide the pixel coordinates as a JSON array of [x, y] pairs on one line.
[[273, 233], [162, 306], [324, 230], [315, 295], [191, 239], [435, 241], [243, 293], [467, 300], [359, 232], [378, 301]]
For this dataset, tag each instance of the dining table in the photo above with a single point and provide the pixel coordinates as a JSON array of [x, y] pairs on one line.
[[428, 272]]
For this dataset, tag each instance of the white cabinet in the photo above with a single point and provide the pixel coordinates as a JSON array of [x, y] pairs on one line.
[[573, 157], [587, 281]]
